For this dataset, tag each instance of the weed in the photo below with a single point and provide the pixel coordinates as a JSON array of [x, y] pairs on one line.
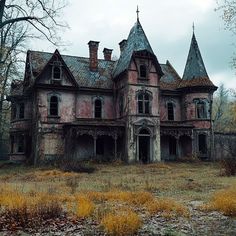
[[223, 201], [85, 207], [121, 223]]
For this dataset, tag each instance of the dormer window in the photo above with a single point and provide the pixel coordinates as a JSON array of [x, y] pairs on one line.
[[143, 71], [56, 72], [170, 110]]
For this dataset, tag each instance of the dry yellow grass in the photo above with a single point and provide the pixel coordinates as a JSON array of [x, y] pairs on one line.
[[223, 201], [121, 223], [85, 207]]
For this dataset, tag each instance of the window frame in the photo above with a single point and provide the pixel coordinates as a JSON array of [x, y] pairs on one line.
[[143, 69], [96, 107], [144, 103], [54, 103], [200, 104], [56, 65], [170, 113]]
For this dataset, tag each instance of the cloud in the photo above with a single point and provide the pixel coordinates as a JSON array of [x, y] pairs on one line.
[[167, 24]]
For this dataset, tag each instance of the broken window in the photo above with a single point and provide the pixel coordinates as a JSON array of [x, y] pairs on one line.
[[170, 110], [143, 103], [143, 71], [21, 143], [202, 144], [172, 146], [53, 106], [201, 110], [22, 111], [98, 108]]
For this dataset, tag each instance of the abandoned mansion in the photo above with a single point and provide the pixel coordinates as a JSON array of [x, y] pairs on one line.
[[134, 108]]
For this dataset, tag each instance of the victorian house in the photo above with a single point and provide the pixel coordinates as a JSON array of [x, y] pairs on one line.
[[134, 109]]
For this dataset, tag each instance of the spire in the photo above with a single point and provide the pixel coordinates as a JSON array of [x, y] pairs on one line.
[[195, 67], [137, 13]]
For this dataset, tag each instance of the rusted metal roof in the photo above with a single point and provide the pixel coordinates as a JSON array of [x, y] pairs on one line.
[[79, 67], [170, 80], [137, 41]]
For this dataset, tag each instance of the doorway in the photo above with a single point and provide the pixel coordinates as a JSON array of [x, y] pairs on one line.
[[144, 146]]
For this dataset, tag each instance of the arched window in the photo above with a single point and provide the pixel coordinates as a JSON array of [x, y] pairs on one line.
[[170, 110], [53, 106], [202, 144], [143, 71], [201, 110], [98, 108], [143, 103], [56, 73]]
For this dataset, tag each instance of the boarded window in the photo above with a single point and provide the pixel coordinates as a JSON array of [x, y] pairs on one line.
[[143, 103], [170, 110], [98, 108], [53, 106], [143, 71]]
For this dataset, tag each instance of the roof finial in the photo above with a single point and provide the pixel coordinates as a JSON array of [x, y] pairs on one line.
[[193, 27], [137, 14]]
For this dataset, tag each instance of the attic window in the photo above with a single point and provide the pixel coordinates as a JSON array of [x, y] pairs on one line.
[[143, 71], [170, 110], [56, 71]]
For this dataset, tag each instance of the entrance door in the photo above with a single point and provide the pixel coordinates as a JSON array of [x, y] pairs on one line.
[[144, 146]]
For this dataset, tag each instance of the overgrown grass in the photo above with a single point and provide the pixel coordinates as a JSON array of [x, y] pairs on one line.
[[112, 191]]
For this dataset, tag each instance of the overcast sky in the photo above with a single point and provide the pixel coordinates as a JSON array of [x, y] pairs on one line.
[[167, 24]]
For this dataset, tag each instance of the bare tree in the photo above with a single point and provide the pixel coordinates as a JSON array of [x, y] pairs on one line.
[[228, 9], [21, 20]]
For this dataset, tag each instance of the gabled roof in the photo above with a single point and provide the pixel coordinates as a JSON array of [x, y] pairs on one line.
[[137, 41], [79, 68], [170, 80], [194, 67]]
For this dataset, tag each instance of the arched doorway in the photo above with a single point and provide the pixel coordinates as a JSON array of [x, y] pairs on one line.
[[144, 145]]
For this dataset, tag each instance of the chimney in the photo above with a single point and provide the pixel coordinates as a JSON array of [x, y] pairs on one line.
[[122, 45], [93, 55], [107, 54]]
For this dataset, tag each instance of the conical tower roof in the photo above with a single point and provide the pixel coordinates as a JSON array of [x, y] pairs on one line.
[[137, 41], [195, 73]]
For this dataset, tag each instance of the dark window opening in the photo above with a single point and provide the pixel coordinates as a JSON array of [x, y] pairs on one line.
[[98, 108], [170, 109], [172, 146], [100, 146], [143, 103], [121, 105], [22, 111], [202, 145], [56, 73], [54, 106], [201, 110], [14, 111], [143, 71], [21, 143]]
